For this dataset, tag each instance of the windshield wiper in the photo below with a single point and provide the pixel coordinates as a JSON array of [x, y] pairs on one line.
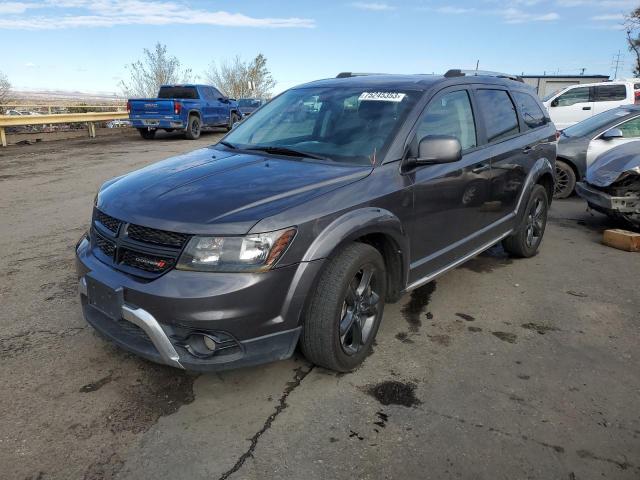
[[228, 145], [285, 151]]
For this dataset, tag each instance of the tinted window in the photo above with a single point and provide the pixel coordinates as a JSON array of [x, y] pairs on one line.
[[178, 92], [611, 93], [498, 113], [451, 115], [631, 129], [532, 114], [571, 97]]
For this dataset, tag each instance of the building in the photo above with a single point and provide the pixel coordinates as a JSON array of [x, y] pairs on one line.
[[546, 84]]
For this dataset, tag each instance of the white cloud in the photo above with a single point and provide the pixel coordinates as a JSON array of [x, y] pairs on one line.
[[454, 10], [514, 15], [109, 13], [30, 65], [608, 17], [13, 8], [375, 6]]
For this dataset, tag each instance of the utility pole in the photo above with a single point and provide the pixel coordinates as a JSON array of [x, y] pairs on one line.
[[616, 64], [582, 71], [477, 65]]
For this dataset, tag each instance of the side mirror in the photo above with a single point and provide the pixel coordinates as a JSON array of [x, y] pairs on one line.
[[612, 134], [223, 100], [555, 103], [437, 149]]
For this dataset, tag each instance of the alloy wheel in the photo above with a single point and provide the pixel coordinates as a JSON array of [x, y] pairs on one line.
[[359, 311], [535, 223]]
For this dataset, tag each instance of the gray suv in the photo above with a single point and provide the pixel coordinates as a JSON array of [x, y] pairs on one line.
[[296, 228]]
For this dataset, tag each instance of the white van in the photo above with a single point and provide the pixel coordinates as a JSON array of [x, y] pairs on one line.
[[579, 102]]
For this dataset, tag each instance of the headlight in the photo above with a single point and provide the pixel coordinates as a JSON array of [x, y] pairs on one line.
[[252, 253]]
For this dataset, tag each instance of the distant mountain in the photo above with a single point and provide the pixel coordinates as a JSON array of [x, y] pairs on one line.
[[66, 96]]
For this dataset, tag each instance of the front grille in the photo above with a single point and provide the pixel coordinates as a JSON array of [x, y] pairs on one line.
[[107, 247], [145, 261], [133, 330], [107, 221], [158, 237], [136, 249]]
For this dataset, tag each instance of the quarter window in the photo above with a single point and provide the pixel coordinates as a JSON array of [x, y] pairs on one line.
[[498, 113], [532, 114], [573, 96], [450, 115], [631, 129], [611, 93]]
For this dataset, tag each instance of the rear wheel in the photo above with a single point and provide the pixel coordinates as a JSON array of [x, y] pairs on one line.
[[565, 180], [526, 239], [146, 133], [345, 309], [193, 128]]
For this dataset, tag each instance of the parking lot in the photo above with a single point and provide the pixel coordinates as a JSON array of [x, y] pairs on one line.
[[501, 368]]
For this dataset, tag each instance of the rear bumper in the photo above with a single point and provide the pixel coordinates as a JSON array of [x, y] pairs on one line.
[[255, 317], [604, 201], [160, 122]]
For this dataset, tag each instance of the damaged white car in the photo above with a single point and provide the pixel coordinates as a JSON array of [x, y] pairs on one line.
[[612, 184]]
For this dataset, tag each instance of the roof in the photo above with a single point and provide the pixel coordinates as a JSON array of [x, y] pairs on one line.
[[408, 82], [565, 76]]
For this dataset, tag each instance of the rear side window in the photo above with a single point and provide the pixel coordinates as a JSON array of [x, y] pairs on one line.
[[631, 128], [611, 93], [498, 113], [573, 96], [450, 115], [532, 114], [178, 92]]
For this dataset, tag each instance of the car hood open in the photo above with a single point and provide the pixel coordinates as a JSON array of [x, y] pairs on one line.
[[609, 166], [212, 191]]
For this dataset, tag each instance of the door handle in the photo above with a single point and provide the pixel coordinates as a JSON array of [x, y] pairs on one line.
[[586, 108], [527, 149], [483, 167]]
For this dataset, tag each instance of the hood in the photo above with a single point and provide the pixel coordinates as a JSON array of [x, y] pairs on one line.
[[608, 167], [211, 191]]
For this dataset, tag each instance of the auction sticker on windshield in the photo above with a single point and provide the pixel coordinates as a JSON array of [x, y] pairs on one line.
[[381, 96]]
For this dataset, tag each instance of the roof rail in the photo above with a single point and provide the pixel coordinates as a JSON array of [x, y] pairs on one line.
[[354, 74], [471, 73]]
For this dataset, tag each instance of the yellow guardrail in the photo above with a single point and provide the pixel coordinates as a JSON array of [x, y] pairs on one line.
[[88, 118]]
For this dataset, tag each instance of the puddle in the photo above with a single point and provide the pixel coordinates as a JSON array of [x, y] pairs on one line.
[[413, 309], [541, 329], [466, 317], [506, 336], [488, 260], [392, 392], [474, 329]]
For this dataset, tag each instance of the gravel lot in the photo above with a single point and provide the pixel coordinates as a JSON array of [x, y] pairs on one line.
[[502, 368]]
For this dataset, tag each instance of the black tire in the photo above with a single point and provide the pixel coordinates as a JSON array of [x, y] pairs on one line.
[[147, 134], [565, 180], [194, 127], [235, 118], [336, 301], [526, 239]]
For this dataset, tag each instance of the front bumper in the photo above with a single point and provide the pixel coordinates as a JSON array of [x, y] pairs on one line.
[[603, 201], [256, 316]]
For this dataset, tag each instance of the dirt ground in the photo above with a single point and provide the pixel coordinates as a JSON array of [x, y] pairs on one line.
[[514, 369]]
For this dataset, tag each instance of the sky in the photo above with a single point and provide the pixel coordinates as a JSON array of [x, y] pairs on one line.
[[84, 45]]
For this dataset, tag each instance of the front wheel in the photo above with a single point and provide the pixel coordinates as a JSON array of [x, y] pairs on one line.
[[146, 133], [526, 239], [345, 309]]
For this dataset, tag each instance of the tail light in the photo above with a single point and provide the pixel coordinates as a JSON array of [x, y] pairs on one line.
[[177, 107], [128, 107], [637, 97]]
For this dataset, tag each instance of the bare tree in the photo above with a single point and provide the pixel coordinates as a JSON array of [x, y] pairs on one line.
[[632, 26], [156, 68], [239, 79], [5, 89]]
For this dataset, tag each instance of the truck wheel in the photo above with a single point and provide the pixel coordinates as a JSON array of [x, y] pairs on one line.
[[146, 133], [233, 120], [345, 309], [565, 180], [526, 239], [193, 128]]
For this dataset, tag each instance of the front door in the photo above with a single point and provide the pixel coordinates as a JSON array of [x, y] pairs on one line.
[[630, 130], [448, 197], [572, 106]]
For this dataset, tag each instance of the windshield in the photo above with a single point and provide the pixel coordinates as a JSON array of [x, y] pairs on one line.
[[549, 96], [349, 125], [248, 102], [595, 123]]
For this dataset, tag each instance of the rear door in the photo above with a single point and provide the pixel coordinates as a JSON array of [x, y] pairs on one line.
[[448, 198], [630, 130], [221, 106], [209, 106], [610, 96], [512, 153], [571, 106]]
